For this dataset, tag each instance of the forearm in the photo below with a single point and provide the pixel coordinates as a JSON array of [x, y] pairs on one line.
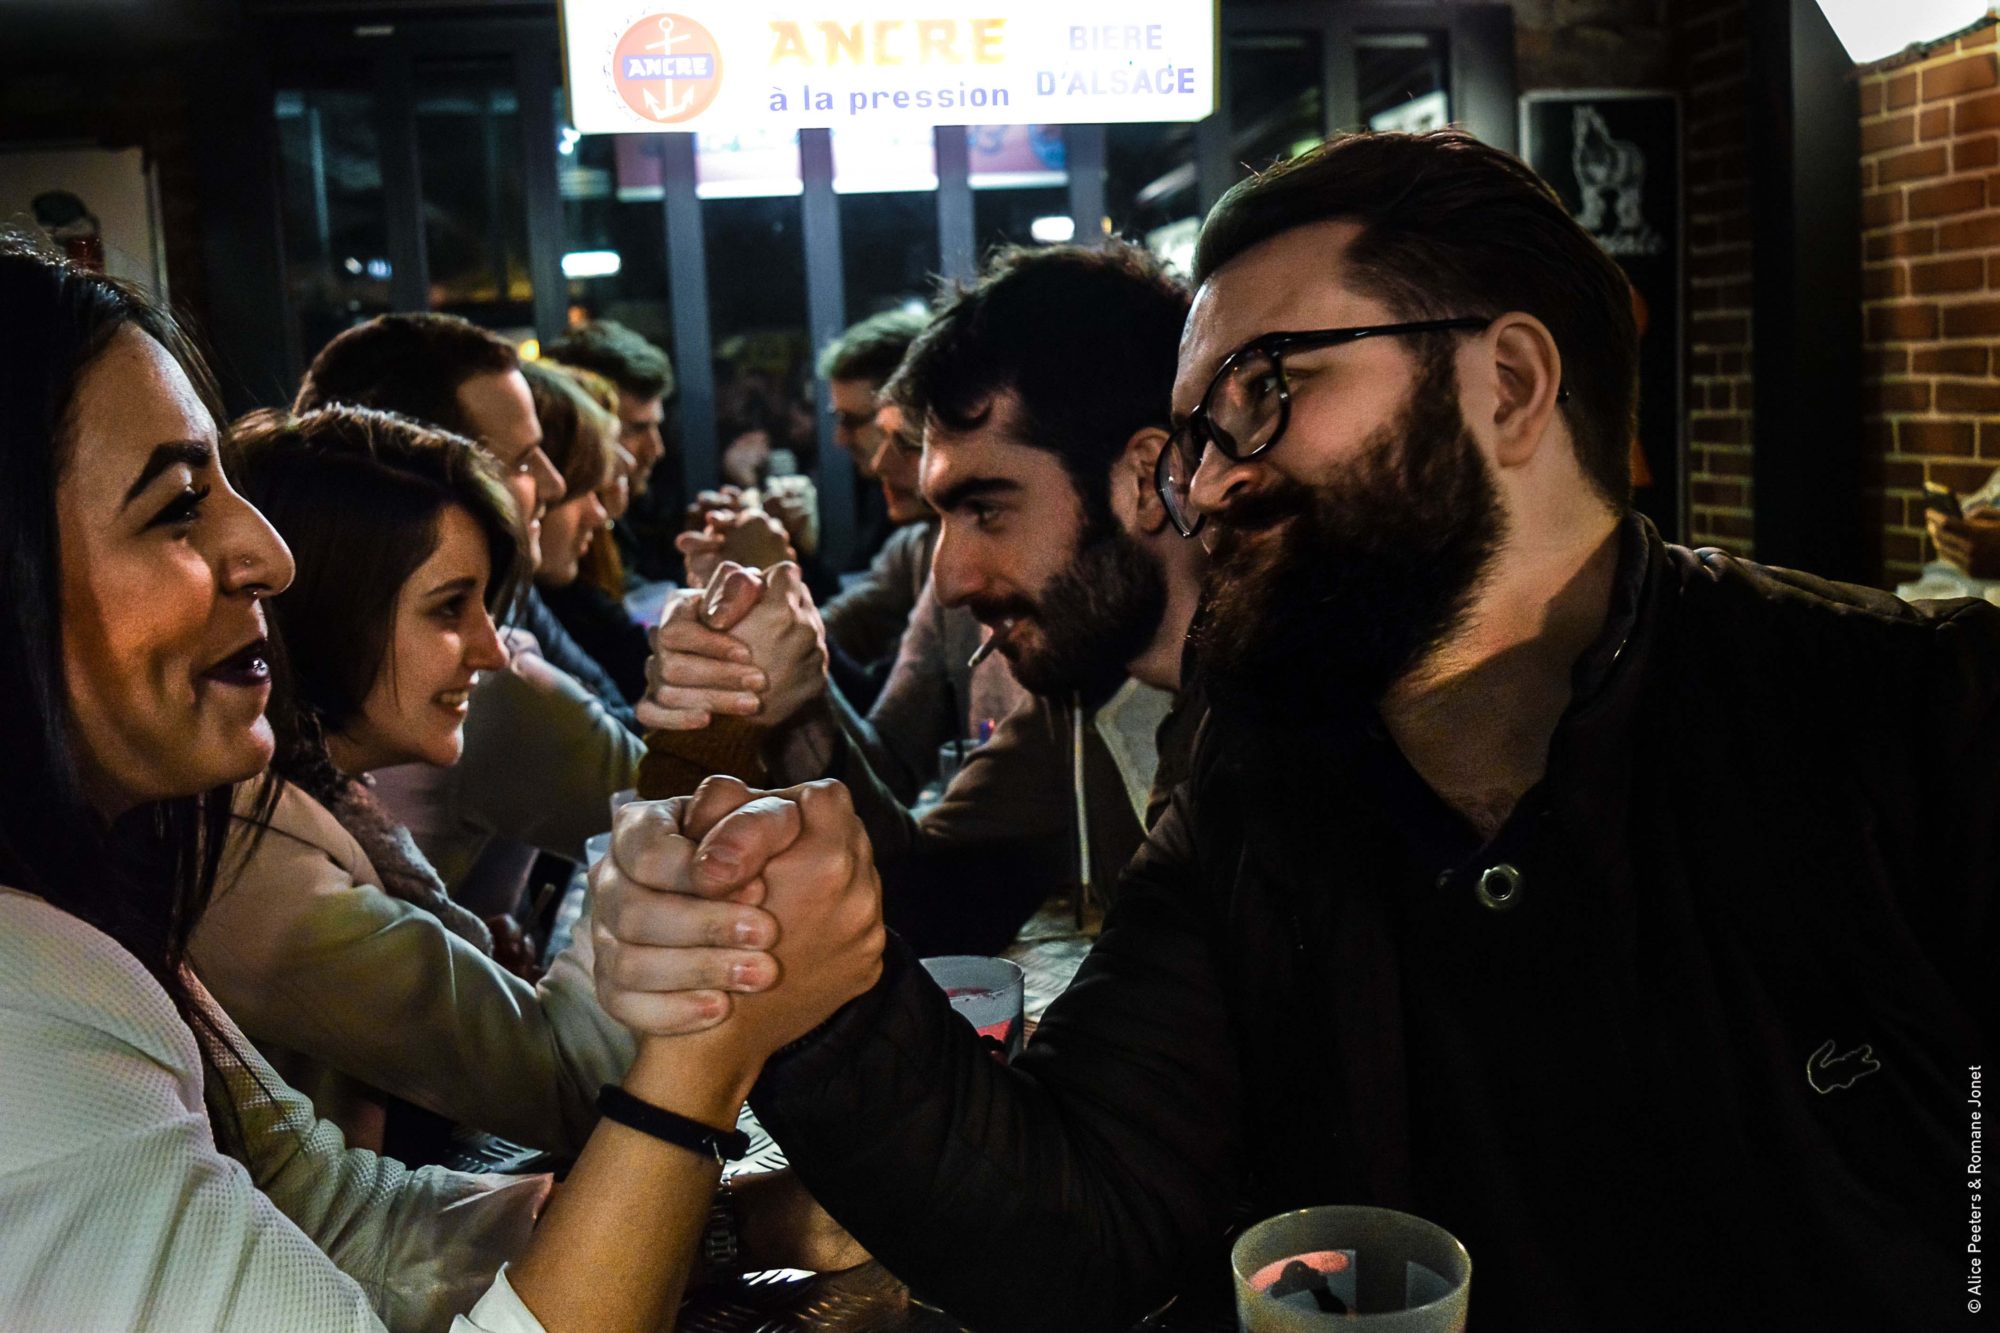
[[615, 1248], [1097, 1169], [804, 748]]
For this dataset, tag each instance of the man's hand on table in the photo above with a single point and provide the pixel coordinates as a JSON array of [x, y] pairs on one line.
[[749, 645], [744, 918]]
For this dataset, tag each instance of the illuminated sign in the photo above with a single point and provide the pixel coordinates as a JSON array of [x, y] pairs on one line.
[[755, 163], [647, 65]]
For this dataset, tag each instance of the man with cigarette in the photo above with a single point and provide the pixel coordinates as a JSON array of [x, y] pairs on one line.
[[1043, 390], [1620, 908]]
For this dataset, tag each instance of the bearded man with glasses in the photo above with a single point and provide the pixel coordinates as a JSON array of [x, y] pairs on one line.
[[1621, 908]]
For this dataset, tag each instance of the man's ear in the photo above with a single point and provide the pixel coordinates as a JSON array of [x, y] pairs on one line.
[[1527, 377], [1133, 498]]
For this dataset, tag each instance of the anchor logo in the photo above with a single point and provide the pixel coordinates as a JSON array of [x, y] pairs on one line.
[[678, 105], [667, 67]]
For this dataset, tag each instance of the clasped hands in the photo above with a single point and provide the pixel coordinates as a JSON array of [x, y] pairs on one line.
[[750, 644], [720, 527], [739, 920]]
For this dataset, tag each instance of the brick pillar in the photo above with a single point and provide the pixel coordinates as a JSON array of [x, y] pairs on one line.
[[1931, 272], [1714, 56]]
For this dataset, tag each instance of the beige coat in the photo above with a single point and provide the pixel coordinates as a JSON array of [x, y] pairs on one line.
[[347, 990]]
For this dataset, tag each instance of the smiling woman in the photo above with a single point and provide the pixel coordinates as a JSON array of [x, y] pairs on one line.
[[155, 1171], [132, 682]]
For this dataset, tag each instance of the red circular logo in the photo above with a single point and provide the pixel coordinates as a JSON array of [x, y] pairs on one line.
[[667, 68]]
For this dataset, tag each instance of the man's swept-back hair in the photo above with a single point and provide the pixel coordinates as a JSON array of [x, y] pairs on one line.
[[1451, 226], [617, 353], [871, 350], [1086, 340], [412, 365]]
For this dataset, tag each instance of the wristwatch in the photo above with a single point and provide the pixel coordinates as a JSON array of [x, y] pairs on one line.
[[722, 1239]]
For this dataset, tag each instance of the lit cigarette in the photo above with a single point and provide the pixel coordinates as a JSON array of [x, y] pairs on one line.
[[990, 646]]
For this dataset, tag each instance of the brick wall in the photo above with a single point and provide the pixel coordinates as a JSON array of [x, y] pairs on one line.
[[1714, 59], [1931, 275]]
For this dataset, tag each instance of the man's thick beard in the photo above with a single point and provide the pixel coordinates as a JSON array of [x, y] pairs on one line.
[[1364, 577], [1095, 616]]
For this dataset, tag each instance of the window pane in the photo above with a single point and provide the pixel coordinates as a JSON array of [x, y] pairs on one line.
[[1150, 188], [614, 232], [757, 311], [1007, 217], [336, 235], [889, 250], [1402, 80], [887, 188], [475, 218], [1276, 105]]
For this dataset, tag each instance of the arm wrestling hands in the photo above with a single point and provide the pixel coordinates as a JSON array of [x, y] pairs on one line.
[[703, 905], [749, 645], [707, 903], [715, 898], [719, 531]]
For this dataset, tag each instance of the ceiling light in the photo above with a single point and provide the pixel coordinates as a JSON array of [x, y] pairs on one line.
[[1053, 230], [591, 263]]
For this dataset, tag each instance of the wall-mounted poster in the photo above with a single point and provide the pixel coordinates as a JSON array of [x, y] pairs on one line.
[[97, 205], [1615, 158]]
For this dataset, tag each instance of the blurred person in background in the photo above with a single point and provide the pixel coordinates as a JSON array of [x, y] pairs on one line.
[[1044, 391], [328, 917], [543, 752], [330, 940], [866, 619], [855, 366], [644, 378], [581, 439]]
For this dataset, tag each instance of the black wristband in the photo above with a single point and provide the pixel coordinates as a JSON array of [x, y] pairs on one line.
[[724, 1145]]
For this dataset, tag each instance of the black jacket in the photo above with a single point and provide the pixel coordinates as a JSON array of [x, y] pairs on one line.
[[1708, 1071], [559, 649], [604, 631]]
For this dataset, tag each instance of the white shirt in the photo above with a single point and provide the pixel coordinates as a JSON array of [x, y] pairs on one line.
[[117, 1211]]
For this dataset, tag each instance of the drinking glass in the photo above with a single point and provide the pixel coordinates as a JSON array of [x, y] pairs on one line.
[[988, 993], [1372, 1269]]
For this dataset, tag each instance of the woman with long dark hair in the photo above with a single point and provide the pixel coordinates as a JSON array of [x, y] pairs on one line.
[[154, 1171]]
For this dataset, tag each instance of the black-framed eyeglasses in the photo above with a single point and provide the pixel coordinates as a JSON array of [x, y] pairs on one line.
[[1248, 403]]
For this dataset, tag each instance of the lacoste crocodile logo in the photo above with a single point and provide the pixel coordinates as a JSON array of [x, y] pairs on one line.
[[1828, 1072]]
